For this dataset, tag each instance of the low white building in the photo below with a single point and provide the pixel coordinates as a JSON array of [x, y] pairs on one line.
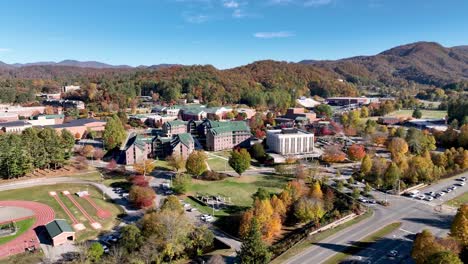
[[290, 141], [69, 88]]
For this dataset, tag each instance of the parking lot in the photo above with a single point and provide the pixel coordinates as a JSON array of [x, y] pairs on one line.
[[440, 193]]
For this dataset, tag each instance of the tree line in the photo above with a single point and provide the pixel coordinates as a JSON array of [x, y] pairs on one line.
[[34, 148]]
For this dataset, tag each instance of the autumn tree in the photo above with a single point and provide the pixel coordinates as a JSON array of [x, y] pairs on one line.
[[142, 197], [356, 152], [316, 191], [239, 160], [424, 246], [328, 199], [172, 203], [278, 206], [176, 161], [366, 164], [333, 153], [196, 163], [307, 209], [459, 228], [98, 154], [253, 249], [87, 151], [444, 257], [144, 167], [398, 146]]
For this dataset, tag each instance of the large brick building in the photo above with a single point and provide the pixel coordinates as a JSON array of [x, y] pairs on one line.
[[227, 135]]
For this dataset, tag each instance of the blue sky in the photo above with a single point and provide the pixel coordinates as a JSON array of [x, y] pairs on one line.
[[224, 33]]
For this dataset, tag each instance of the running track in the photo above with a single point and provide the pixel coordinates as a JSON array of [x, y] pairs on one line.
[[72, 217], [99, 212], [83, 211], [43, 215]]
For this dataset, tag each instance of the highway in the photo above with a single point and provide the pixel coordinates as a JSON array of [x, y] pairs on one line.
[[415, 215]]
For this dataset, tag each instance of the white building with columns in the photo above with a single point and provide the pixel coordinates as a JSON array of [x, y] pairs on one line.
[[290, 141]]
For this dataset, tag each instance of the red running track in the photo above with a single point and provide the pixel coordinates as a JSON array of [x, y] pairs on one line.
[[99, 212], [65, 208], [43, 215], [83, 211]]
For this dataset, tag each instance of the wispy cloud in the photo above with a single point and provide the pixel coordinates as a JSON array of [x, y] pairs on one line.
[[317, 2], [306, 3], [5, 49], [238, 13], [277, 34], [231, 4], [196, 19]]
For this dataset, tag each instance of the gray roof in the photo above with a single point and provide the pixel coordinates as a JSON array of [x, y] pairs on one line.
[[15, 124], [77, 122], [57, 227]]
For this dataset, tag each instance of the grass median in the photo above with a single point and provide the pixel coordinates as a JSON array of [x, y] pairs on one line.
[[363, 244], [304, 244], [459, 200]]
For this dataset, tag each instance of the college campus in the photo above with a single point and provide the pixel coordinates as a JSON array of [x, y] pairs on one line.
[[227, 151]]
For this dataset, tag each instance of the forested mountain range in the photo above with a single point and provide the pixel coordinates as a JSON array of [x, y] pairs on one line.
[[422, 65], [422, 62]]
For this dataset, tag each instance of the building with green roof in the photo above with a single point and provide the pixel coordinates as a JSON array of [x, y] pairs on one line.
[[60, 232]]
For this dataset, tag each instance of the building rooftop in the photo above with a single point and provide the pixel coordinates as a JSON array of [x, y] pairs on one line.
[[15, 124], [57, 227], [77, 122], [186, 139], [227, 127], [177, 122]]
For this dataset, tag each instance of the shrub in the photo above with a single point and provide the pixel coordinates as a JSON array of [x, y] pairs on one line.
[[213, 176]]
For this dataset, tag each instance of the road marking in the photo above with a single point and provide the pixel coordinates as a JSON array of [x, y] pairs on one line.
[[409, 232]]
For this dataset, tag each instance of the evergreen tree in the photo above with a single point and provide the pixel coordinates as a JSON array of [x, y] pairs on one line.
[[417, 113], [253, 250], [68, 142], [239, 160]]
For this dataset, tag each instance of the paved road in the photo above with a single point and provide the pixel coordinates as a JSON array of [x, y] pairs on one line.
[[415, 216]]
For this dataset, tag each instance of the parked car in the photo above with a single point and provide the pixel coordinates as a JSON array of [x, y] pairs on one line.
[[454, 188], [429, 198], [392, 253], [420, 197], [192, 209], [431, 194], [462, 183], [463, 178], [448, 190], [442, 193]]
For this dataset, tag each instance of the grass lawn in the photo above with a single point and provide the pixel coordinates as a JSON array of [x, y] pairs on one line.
[[425, 113], [24, 258], [218, 164], [162, 165], [239, 189], [459, 200], [306, 243], [364, 243], [22, 226], [41, 195]]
